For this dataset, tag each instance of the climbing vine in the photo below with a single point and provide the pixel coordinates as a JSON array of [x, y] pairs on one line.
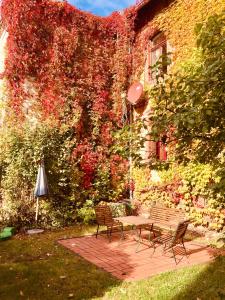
[[67, 68], [177, 21], [70, 66]]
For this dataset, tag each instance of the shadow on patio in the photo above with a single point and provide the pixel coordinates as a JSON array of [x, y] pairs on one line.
[[121, 260]]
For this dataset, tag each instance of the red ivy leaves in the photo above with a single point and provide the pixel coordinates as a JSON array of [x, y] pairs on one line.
[[87, 160], [78, 64]]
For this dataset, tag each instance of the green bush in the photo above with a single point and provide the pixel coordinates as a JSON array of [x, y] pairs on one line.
[[87, 213], [21, 151], [192, 187]]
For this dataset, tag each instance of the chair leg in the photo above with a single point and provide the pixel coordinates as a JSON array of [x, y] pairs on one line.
[[154, 246], [122, 236], [174, 256], [97, 231], [122, 232], [152, 229], [185, 251], [110, 234]]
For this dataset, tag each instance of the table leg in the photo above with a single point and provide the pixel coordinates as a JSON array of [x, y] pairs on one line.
[[139, 239], [122, 236], [122, 233]]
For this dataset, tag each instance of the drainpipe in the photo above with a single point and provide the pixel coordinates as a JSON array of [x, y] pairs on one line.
[[131, 196]]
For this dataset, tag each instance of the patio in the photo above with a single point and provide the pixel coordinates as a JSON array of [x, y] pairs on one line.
[[121, 260]]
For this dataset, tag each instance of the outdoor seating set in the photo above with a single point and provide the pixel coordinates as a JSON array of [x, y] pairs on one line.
[[166, 227]]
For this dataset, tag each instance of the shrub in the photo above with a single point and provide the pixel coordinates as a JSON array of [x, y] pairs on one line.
[[69, 201], [192, 187]]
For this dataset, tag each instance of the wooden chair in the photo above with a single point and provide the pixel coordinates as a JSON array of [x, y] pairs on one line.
[[170, 240], [104, 218]]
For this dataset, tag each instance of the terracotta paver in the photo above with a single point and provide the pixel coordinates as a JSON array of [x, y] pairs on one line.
[[121, 260]]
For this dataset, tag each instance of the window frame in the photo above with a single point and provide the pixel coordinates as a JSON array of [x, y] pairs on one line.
[[161, 44]]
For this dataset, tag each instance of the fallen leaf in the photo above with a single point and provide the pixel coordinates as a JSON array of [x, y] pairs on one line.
[[70, 296], [123, 291]]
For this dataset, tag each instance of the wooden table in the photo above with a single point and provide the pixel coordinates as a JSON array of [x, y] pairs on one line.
[[137, 222]]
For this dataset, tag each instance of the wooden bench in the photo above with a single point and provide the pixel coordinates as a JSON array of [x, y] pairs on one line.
[[165, 218]]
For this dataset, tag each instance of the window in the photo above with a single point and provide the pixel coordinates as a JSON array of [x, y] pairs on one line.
[[157, 51], [161, 151]]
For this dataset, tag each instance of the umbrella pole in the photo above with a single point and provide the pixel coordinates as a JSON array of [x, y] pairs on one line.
[[37, 208]]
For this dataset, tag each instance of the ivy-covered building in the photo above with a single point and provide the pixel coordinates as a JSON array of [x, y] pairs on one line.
[[165, 28], [72, 70], [168, 29]]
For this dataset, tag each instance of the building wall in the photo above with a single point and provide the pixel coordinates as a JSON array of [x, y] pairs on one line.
[[177, 20]]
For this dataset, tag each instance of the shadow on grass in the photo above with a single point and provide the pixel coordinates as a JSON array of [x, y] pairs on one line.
[[209, 284], [38, 268]]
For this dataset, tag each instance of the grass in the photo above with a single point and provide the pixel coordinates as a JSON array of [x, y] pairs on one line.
[[36, 267]]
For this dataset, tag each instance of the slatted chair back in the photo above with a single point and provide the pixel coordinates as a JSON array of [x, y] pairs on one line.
[[169, 241], [179, 233], [108, 217], [165, 215], [103, 215], [100, 215], [159, 214]]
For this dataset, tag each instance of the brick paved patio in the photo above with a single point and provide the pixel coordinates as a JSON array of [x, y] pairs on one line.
[[121, 260]]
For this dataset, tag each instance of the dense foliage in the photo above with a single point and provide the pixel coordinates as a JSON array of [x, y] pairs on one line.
[[189, 104], [67, 69], [177, 21], [187, 111], [69, 201], [66, 75], [190, 187]]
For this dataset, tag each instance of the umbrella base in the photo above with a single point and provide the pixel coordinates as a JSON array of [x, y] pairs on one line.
[[35, 231]]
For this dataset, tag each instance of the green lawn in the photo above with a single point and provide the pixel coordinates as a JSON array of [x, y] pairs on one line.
[[36, 267]]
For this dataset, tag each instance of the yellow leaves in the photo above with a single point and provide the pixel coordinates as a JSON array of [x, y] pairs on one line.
[[179, 20]]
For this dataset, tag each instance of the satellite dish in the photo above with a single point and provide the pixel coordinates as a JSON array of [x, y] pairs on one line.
[[135, 92]]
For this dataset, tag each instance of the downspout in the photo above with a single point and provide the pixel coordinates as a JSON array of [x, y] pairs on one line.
[[131, 183]]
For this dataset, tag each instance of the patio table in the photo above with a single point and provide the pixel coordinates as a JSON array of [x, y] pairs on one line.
[[136, 222]]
